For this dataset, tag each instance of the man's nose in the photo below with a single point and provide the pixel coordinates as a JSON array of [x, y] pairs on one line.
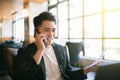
[[51, 33]]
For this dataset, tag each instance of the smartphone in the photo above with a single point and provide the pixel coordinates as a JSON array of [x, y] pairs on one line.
[[36, 31]]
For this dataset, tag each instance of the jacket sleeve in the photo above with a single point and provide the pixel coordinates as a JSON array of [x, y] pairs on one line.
[[24, 65], [75, 73]]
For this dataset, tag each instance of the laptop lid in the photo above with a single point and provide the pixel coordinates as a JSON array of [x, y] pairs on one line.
[[108, 72]]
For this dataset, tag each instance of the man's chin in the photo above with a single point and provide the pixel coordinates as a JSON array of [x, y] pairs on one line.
[[49, 42]]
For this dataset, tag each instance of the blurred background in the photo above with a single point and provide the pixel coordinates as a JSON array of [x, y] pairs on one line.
[[94, 22]]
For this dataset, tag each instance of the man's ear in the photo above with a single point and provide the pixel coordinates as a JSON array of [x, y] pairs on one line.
[[35, 32]]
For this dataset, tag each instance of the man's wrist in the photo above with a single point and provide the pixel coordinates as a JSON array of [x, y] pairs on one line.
[[86, 70]]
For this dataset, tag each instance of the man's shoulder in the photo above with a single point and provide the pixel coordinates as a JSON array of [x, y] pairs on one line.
[[29, 46], [58, 44]]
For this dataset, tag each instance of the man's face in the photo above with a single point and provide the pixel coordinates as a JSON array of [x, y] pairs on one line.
[[48, 29]]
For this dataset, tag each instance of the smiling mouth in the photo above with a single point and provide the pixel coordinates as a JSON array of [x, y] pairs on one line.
[[49, 38]]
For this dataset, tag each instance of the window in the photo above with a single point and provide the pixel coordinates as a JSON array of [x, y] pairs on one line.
[[63, 11], [18, 28], [111, 4], [0, 29], [92, 6], [92, 26], [76, 28], [74, 5], [96, 22], [112, 24]]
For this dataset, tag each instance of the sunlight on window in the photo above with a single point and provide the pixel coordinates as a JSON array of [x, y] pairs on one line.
[[18, 28], [63, 29], [93, 47], [74, 5], [93, 26], [0, 29], [76, 28], [92, 6], [63, 11], [109, 43], [112, 53], [112, 49], [112, 24], [96, 22], [111, 4], [53, 2], [54, 11]]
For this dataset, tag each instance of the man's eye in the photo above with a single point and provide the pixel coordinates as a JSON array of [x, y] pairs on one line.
[[46, 30], [53, 30]]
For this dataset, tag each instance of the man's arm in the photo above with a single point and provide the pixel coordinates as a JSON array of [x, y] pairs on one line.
[[24, 65]]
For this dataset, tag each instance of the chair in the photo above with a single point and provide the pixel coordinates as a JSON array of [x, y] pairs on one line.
[[3, 69], [10, 54], [74, 49]]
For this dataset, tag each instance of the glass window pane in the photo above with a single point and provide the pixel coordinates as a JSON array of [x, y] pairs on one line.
[[93, 26], [53, 11], [61, 0], [63, 11], [112, 43], [92, 6], [18, 28], [76, 28], [0, 30], [51, 2], [22, 30], [111, 4], [112, 49], [76, 8], [93, 47], [63, 29], [112, 24], [75, 40]]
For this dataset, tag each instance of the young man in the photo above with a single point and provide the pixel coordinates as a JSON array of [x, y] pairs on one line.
[[44, 59]]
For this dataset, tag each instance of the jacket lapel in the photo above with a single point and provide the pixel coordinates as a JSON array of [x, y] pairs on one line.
[[58, 54], [43, 66]]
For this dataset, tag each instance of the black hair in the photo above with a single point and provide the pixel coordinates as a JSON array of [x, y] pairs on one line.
[[42, 17]]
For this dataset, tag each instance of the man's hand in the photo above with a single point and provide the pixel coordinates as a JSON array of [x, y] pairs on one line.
[[92, 67]]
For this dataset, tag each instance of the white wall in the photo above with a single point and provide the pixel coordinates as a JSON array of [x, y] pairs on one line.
[[7, 28]]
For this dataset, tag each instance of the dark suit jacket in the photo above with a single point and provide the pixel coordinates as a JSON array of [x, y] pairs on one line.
[[25, 68]]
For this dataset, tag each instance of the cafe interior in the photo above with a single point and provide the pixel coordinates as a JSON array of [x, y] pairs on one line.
[[90, 29]]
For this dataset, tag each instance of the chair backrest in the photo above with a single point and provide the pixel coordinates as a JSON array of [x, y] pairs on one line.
[[3, 69], [10, 54], [74, 49]]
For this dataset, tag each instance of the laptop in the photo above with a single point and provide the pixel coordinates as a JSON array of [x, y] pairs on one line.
[[108, 72]]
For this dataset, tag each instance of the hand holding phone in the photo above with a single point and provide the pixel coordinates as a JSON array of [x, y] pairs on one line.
[[40, 40], [44, 40]]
